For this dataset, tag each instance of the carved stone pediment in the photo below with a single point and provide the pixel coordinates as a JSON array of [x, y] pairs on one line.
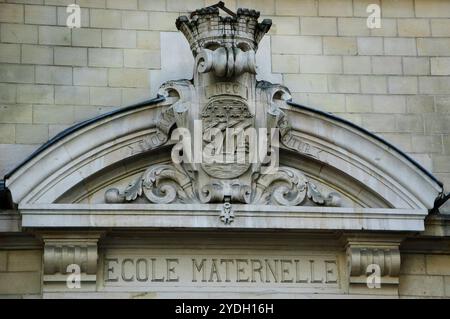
[[226, 126], [226, 144]]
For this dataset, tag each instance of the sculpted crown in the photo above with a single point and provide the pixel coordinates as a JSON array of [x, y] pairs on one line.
[[206, 29]]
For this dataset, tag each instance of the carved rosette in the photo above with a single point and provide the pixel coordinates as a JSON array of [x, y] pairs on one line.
[[289, 187]]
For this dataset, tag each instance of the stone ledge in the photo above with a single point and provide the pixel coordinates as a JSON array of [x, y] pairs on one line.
[[208, 216]]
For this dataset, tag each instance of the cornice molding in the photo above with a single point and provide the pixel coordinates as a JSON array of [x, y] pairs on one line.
[[204, 216]]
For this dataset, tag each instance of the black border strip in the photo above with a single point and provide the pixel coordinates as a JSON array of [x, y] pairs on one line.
[[78, 126], [378, 138]]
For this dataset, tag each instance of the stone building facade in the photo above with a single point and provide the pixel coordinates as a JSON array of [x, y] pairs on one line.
[[64, 204]]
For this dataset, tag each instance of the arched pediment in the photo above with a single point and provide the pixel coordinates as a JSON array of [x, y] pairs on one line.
[[300, 167], [220, 176], [78, 165]]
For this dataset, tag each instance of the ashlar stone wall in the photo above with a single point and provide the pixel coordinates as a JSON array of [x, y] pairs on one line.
[[424, 275], [20, 273]]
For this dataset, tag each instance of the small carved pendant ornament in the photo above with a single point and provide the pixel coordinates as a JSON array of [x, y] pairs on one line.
[[227, 126]]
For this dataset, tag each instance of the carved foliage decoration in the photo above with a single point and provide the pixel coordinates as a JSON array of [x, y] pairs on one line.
[[161, 184], [287, 187]]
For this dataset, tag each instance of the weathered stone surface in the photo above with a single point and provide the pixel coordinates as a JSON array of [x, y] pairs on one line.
[[413, 28], [9, 53], [19, 33], [106, 58], [413, 264], [393, 81], [318, 26], [421, 286], [105, 18], [11, 13], [90, 76], [70, 56], [416, 66], [340, 46], [84, 37], [24, 260], [54, 35], [71, 95], [17, 283], [40, 15]]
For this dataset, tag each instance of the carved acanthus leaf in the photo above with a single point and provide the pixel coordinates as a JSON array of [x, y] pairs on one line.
[[161, 184], [286, 187], [164, 184], [133, 190], [289, 187]]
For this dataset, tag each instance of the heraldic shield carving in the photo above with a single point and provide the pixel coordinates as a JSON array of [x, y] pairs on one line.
[[225, 124]]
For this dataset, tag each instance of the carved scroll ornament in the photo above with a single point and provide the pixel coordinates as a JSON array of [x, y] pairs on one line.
[[165, 184]]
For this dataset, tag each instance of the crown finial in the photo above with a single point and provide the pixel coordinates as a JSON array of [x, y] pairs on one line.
[[206, 28], [224, 44]]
